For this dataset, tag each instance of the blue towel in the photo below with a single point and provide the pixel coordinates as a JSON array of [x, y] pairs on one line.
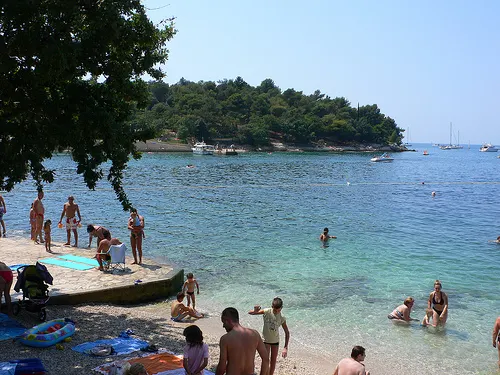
[[16, 266], [121, 345], [9, 328], [76, 258], [65, 263], [22, 367]]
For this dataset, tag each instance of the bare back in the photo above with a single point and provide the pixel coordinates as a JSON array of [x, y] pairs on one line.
[[238, 347], [349, 366]]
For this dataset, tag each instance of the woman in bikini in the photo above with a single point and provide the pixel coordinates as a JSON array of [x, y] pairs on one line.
[[438, 302], [136, 227], [402, 312]]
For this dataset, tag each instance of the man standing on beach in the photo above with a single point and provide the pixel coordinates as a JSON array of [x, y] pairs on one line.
[[70, 209], [39, 212], [496, 342], [238, 347], [353, 365]]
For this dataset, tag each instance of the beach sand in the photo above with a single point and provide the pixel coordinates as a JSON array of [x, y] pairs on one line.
[[150, 322]]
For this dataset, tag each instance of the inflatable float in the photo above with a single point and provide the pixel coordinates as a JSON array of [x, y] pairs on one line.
[[48, 333]]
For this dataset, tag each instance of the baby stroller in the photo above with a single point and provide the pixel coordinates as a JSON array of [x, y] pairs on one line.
[[33, 280]]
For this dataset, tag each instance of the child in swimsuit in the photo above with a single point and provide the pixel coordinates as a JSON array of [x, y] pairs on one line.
[[46, 229], [188, 288], [427, 318], [33, 222]]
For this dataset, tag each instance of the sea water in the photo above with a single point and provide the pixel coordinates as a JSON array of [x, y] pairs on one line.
[[247, 226]]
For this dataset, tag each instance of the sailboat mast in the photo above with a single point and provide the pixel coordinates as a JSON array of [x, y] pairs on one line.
[[451, 130]]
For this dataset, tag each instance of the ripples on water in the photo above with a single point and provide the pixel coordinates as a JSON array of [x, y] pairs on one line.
[[248, 227]]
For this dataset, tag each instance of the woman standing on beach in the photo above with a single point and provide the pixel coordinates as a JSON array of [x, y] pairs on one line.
[[438, 301], [136, 227]]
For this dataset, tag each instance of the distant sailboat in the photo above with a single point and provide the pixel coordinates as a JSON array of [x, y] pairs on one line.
[[407, 137], [452, 146]]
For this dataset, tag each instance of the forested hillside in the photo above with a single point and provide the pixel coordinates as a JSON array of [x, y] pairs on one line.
[[255, 115]]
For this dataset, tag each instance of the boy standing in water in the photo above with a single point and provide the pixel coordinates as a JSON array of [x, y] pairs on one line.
[[272, 321], [188, 287], [324, 237]]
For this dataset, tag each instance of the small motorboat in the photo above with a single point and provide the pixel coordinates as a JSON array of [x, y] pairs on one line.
[[201, 148], [425, 153], [488, 148], [385, 157]]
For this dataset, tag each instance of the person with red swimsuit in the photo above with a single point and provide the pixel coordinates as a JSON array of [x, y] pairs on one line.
[[6, 279]]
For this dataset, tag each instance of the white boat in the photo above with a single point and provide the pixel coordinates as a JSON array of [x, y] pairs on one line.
[[425, 153], [488, 148], [385, 157], [201, 148], [451, 146]]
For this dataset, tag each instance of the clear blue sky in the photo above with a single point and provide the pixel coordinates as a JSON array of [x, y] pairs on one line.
[[425, 63]]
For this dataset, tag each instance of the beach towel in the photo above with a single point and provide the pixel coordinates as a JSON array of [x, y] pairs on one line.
[[9, 328], [79, 259], [14, 267], [67, 264], [121, 345], [164, 363], [22, 367]]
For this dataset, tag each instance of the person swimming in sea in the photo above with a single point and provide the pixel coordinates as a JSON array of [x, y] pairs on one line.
[[325, 237]]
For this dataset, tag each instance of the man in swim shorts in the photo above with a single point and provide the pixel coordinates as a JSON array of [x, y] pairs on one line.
[[39, 212], [325, 236], [238, 347], [71, 209], [353, 365], [273, 320]]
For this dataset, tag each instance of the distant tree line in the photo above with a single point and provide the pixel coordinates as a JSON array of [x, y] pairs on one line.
[[255, 115]]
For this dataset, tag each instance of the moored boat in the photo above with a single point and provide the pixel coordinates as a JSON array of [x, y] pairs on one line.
[[487, 147], [201, 148], [385, 157]]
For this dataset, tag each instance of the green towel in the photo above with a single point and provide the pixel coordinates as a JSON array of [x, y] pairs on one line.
[[65, 263], [76, 258]]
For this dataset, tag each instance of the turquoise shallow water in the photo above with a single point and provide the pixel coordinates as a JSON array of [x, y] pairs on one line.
[[248, 227]]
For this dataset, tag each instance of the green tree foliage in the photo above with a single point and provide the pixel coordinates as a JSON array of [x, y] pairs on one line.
[[255, 115], [70, 78]]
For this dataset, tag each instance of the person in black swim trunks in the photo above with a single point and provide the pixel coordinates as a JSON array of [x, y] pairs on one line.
[[188, 288], [438, 301]]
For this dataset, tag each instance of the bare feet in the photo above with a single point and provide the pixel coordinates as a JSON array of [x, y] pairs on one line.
[[99, 268], [49, 251], [134, 262], [75, 245], [66, 244]]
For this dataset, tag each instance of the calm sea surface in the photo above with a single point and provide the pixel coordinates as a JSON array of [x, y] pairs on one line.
[[248, 228]]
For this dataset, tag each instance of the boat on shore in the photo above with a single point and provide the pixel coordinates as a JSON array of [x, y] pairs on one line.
[[385, 157], [201, 148], [487, 147]]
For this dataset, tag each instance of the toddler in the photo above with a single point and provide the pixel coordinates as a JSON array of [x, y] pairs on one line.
[[188, 288], [427, 318], [195, 351], [46, 229]]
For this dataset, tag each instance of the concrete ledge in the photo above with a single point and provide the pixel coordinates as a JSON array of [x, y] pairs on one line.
[[170, 285]]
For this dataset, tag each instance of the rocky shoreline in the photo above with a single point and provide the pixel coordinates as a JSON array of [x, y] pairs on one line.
[[160, 146]]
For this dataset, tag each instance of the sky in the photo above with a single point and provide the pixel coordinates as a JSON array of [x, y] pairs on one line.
[[425, 63]]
